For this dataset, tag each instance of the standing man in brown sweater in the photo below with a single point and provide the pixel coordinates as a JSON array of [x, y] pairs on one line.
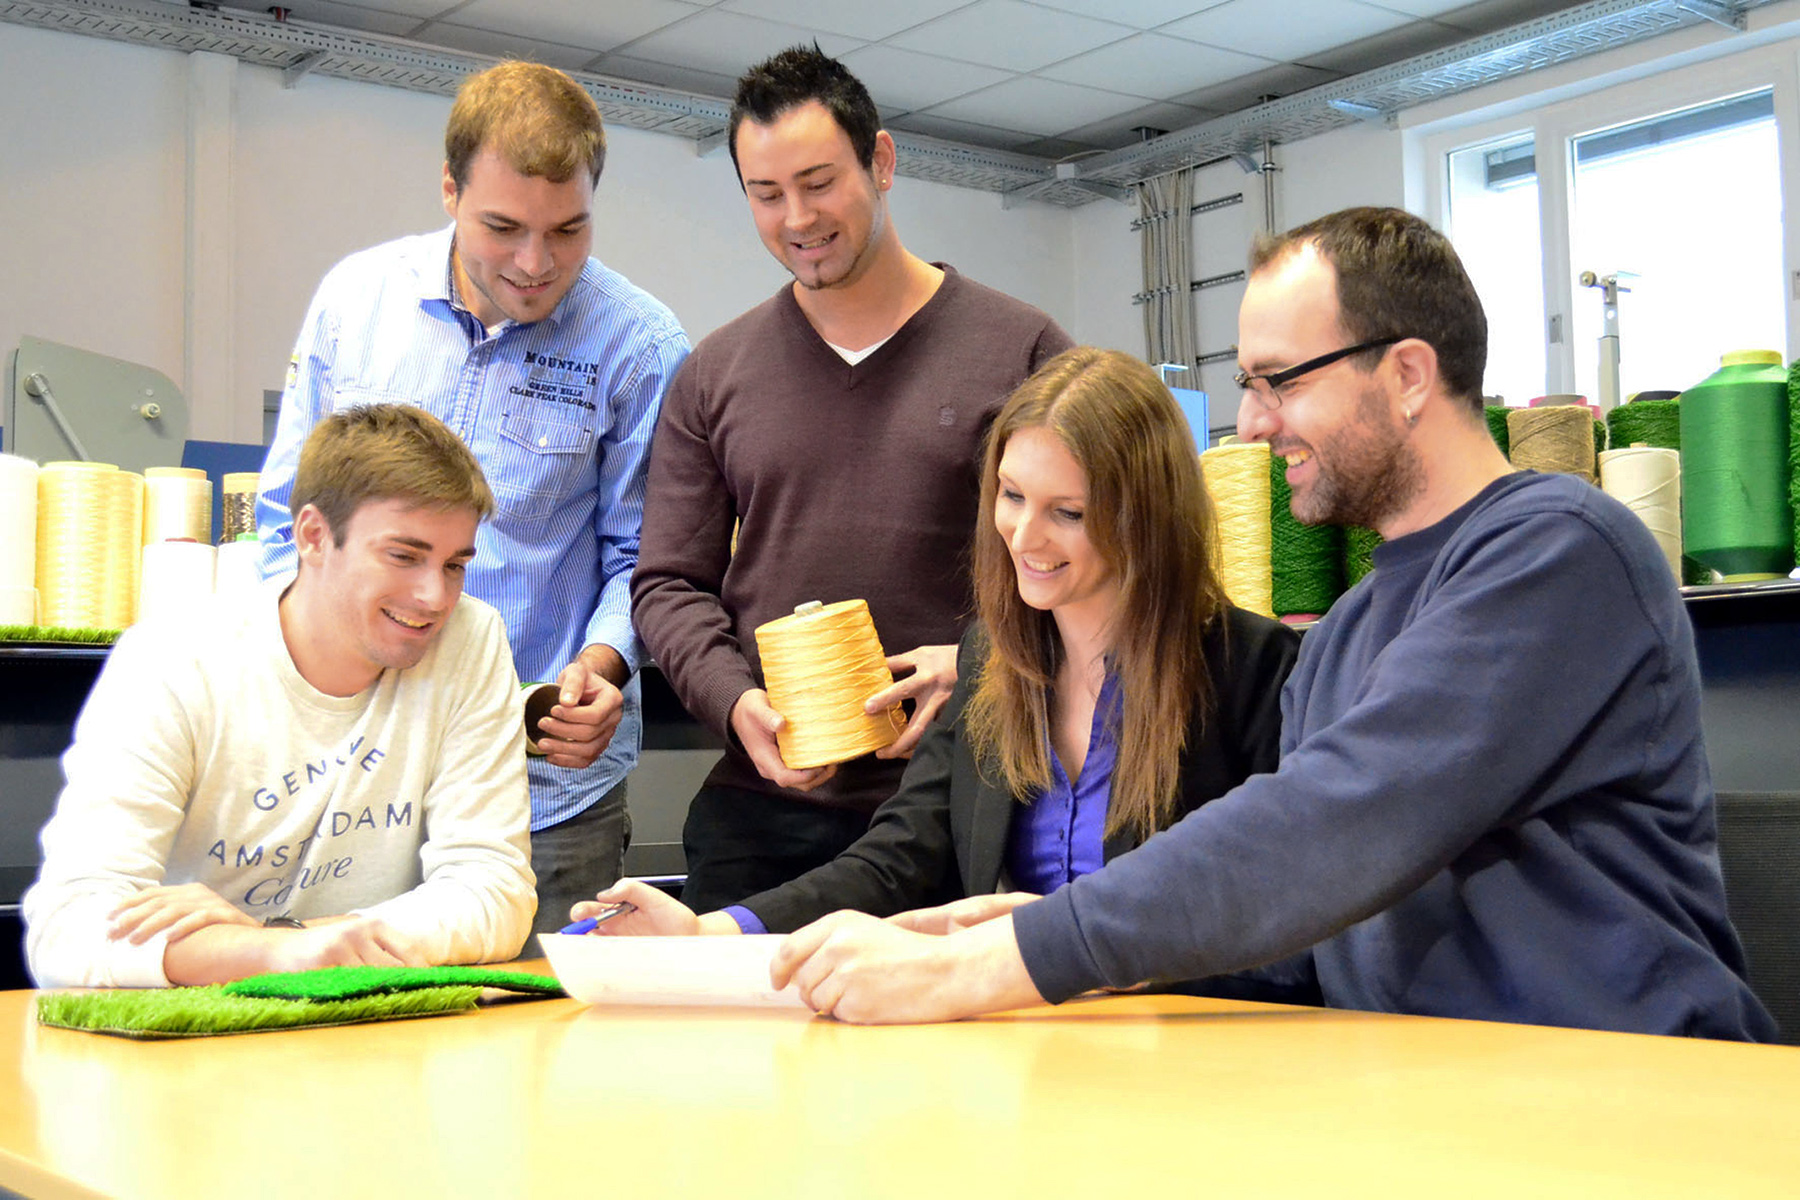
[[838, 424]]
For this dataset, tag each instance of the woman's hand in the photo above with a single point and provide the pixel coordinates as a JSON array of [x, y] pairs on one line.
[[961, 914]]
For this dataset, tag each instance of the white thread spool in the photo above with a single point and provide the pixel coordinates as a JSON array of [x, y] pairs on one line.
[[1647, 480], [178, 576], [18, 532], [18, 605], [237, 579]]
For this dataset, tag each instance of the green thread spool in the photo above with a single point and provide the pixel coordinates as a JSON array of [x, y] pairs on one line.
[[1736, 518], [1359, 552], [1306, 562], [1496, 423]]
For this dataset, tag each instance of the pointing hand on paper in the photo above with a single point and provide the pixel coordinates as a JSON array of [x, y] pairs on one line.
[[867, 971], [934, 964]]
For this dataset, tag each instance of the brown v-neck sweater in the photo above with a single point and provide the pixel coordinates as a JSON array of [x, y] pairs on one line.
[[850, 482]]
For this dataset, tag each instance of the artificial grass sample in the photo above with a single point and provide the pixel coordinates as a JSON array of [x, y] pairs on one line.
[[346, 983], [58, 635], [290, 1000], [153, 1013]]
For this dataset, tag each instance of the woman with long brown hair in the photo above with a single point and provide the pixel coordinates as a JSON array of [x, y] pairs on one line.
[[1107, 689]]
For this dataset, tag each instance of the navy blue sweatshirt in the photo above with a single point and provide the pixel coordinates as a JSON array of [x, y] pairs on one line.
[[1493, 799]]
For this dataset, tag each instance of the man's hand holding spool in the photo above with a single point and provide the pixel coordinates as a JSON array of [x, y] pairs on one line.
[[818, 661]]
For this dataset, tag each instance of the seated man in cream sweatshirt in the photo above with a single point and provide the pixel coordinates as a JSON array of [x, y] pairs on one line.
[[334, 776]]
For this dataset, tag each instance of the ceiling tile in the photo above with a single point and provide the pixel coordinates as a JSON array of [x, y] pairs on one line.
[[1435, 8], [501, 45], [1140, 14], [1040, 106], [967, 132], [666, 75], [417, 10], [902, 80], [870, 20], [1060, 148], [1115, 132], [727, 43], [1305, 27], [1009, 34], [1154, 66], [1385, 49], [574, 22], [1248, 90], [1487, 16], [355, 16]]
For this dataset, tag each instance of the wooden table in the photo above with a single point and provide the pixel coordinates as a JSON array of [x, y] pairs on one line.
[[1128, 1096]]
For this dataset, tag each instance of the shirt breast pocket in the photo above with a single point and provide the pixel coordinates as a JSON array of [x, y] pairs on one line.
[[540, 464]]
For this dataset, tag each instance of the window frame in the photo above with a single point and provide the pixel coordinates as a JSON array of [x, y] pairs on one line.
[[1555, 125]]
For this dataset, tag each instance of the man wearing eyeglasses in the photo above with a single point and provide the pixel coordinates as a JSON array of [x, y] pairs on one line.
[[1493, 799]]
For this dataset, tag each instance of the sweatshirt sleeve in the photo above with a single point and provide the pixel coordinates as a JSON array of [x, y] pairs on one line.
[[129, 772], [686, 548], [1453, 729], [477, 897]]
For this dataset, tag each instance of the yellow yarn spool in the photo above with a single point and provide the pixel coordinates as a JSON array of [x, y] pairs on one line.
[[177, 505], [238, 512], [1237, 476], [124, 550], [90, 519], [820, 667], [1557, 438]]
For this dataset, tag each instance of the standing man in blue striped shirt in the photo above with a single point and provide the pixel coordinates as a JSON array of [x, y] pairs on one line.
[[552, 368]]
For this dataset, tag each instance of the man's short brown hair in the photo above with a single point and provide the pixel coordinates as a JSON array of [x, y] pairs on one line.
[[386, 452], [540, 121], [1397, 277]]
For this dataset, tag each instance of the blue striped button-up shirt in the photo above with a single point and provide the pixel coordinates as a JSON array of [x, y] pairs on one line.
[[559, 412]]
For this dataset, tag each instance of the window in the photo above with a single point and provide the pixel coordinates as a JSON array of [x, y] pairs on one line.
[[1689, 203], [1673, 182], [1493, 220]]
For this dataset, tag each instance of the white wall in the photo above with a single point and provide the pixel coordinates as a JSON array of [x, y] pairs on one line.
[[95, 185], [94, 194], [92, 197]]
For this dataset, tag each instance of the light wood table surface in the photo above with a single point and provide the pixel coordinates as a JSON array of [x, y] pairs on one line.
[[1127, 1096]]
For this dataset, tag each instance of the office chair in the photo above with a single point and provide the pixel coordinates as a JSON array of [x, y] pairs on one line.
[[1759, 853]]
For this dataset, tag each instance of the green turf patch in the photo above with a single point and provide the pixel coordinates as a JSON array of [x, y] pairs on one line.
[[152, 1013], [291, 1000], [58, 635], [346, 983]]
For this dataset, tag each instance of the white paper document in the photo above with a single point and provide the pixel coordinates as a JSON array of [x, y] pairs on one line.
[[724, 971]]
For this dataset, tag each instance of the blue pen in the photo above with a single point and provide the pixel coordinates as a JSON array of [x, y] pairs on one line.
[[587, 925]]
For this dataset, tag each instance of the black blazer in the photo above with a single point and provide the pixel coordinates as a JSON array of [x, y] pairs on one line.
[[943, 835]]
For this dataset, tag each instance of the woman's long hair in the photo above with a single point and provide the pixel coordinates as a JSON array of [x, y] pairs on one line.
[[1150, 519]]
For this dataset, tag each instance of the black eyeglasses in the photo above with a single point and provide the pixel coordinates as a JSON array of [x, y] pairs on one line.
[[1268, 395]]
